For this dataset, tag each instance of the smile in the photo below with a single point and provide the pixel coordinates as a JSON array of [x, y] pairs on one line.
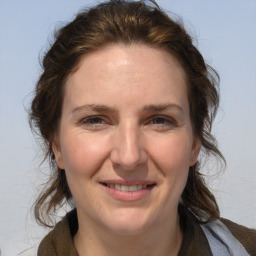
[[128, 192], [132, 188], [128, 187]]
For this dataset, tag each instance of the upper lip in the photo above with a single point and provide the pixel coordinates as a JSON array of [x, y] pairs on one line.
[[128, 183]]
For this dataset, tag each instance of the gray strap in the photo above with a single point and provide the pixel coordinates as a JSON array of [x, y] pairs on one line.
[[221, 240]]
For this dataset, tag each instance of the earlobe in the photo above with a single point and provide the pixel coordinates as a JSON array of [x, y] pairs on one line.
[[58, 155], [195, 151]]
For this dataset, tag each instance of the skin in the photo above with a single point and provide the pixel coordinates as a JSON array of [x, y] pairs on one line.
[[125, 119]]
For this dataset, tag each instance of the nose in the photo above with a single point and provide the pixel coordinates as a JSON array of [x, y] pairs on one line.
[[128, 152]]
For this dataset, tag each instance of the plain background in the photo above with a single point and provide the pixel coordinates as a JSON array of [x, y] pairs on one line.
[[226, 36]]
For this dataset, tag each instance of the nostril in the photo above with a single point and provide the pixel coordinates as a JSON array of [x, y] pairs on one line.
[[128, 162]]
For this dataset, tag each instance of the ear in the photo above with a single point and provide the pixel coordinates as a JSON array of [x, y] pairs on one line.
[[195, 151], [57, 153]]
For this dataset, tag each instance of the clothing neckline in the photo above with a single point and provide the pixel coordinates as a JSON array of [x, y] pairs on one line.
[[194, 240]]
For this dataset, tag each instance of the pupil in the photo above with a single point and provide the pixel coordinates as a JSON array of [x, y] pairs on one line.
[[158, 120], [95, 120]]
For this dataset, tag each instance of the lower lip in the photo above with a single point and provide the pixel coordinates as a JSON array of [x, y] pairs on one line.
[[128, 196]]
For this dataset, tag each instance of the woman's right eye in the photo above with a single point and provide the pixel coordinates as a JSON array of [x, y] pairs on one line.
[[93, 122]]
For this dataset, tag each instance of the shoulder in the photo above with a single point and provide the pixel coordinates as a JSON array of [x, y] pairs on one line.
[[59, 240], [47, 245], [246, 236]]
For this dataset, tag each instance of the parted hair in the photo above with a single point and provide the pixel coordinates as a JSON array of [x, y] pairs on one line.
[[124, 22]]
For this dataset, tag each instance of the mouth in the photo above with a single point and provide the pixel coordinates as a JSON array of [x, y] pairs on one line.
[[126, 188], [128, 191]]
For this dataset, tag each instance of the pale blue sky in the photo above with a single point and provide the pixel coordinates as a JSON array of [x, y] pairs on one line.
[[226, 36]]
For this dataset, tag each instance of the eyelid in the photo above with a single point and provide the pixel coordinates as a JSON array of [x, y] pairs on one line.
[[102, 121], [168, 119], [87, 119]]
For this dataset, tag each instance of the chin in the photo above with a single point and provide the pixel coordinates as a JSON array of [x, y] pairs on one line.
[[130, 223], [127, 229]]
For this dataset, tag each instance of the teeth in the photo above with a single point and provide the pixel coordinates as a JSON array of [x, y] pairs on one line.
[[127, 188], [135, 188], [118, 187], [124, 188], [138, 187]]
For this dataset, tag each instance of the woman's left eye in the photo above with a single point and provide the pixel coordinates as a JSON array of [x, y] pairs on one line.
[[162, 122]]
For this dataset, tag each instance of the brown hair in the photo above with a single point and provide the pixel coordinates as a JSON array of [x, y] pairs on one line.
[[125, 22]]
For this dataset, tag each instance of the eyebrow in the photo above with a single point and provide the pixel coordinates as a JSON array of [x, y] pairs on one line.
[[94, 107], [161, 107], [106, 109]]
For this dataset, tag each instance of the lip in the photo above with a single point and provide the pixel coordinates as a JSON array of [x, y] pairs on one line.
[[128, 182], [128, 196]]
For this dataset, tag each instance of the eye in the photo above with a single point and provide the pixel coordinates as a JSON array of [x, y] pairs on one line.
[[159, 120], [162, 122], [93, 122]]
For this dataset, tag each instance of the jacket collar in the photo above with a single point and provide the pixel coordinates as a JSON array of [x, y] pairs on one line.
[[59, 241]]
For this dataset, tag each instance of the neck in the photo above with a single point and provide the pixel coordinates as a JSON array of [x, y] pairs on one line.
[[162, 240]]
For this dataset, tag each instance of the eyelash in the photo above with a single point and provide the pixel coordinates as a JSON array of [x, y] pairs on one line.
[[93, 121], [165, 121], [98, 122]]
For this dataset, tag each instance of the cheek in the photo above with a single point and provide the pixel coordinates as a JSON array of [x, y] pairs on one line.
[[171, 157], [173, 154], [83, 155]]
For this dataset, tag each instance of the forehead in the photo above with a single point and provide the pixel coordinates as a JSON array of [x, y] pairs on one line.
[[121, 55], [133, 71]]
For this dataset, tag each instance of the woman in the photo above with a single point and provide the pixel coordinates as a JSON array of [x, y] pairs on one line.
[[124, 105]]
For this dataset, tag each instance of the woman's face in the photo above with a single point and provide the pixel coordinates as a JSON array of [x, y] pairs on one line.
[[125, 138]]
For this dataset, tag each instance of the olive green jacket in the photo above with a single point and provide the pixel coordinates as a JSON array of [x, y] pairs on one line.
[[59, 241]]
